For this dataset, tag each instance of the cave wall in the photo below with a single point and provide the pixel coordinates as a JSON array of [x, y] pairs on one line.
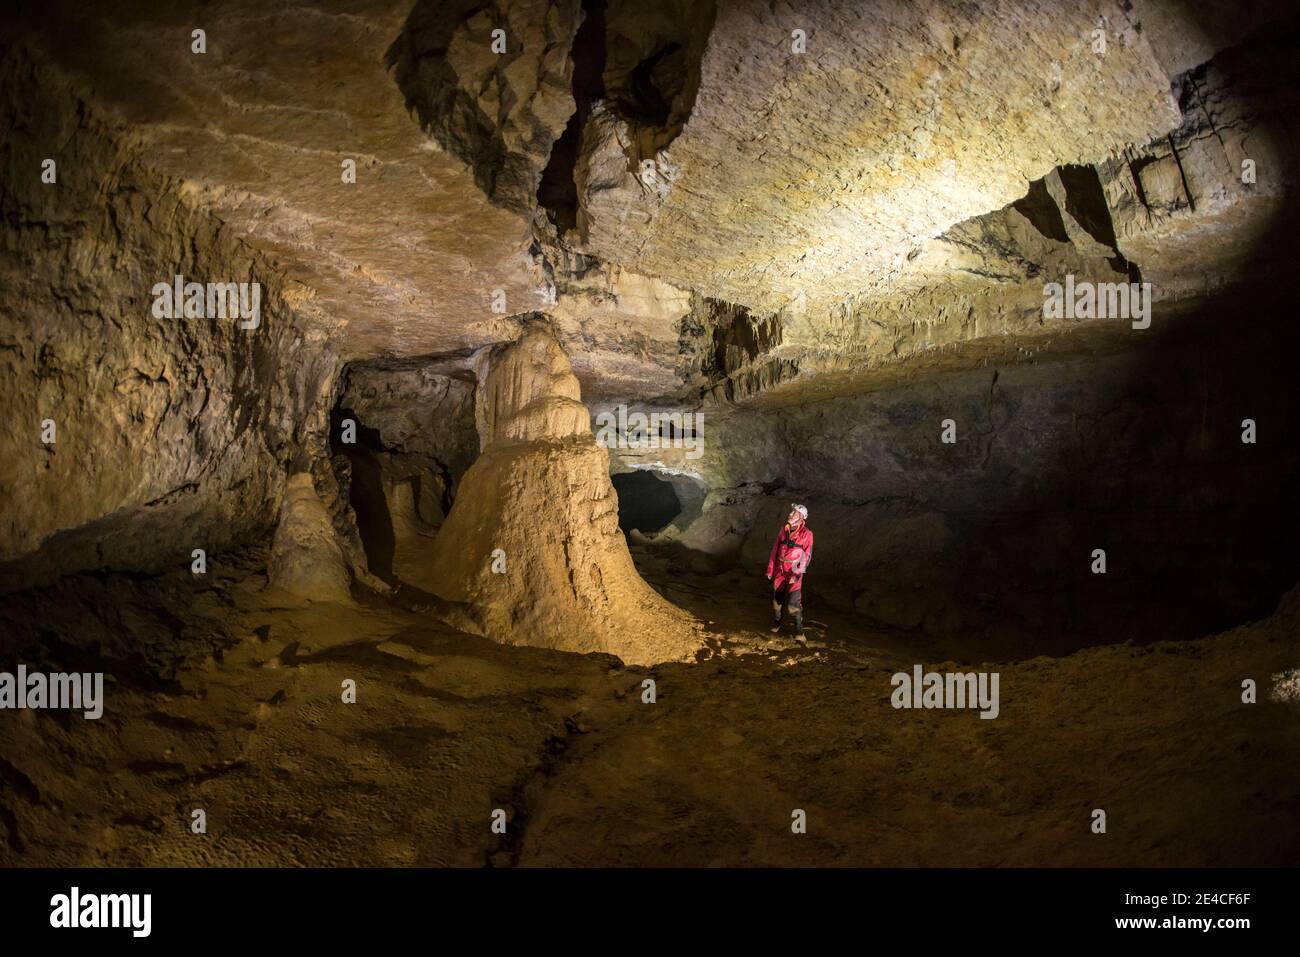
[[1052, 461], [1136, 450], [1071, 436], [1184, 206], [177, 434], [171, 434]]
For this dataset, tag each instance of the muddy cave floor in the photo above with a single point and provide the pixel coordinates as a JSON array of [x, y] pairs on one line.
[[225, 697]]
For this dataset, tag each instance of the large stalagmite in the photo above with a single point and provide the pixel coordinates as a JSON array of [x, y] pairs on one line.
[[533, 542]]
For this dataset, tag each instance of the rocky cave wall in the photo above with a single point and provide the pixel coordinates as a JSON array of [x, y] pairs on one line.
[[170, 434], [1138, 452]]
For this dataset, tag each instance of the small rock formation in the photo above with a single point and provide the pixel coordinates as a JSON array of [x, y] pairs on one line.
[[532, 541], [305, 558]]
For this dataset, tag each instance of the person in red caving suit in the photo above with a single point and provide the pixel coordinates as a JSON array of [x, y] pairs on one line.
[[786, 566]]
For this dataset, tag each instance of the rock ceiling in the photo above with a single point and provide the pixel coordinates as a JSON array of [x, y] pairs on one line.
[[684, 154]]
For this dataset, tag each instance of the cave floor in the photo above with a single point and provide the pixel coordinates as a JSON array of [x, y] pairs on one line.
[[447, 727]]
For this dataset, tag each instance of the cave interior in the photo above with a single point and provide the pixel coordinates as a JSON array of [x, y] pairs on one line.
[[559, 306]]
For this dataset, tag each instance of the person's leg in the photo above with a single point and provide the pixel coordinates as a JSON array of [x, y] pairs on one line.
[[795, 604], [777, 606]]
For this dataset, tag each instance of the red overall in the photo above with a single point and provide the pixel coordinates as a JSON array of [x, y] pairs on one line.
[[786, 568]]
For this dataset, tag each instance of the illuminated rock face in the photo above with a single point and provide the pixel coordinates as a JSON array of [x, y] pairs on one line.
[[532, 542], [811, 176]]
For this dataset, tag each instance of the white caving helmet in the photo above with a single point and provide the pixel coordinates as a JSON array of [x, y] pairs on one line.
[[802, 510]]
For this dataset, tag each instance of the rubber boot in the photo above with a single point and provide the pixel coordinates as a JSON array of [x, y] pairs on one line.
[[777, 609], [798, 624]]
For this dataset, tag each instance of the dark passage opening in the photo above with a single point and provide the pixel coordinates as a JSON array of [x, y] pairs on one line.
[[366, 493], [656, 81], [645, 501]]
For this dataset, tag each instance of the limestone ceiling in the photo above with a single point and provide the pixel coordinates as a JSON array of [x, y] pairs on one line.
[[258, 128], [813, 176], [797, 179]]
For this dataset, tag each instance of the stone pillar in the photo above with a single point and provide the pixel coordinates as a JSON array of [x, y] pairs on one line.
[[532, 541]]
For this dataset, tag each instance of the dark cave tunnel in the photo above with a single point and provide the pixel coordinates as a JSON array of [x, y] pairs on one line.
[[365, 485], [646, 502]]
